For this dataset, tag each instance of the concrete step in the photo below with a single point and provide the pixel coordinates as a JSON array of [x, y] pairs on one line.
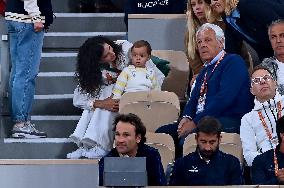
[[54, 105], [43, 148], [58, 62], [91, 22], [74, 6], [48, 105], [48, 173], [55, 83], [65, 6], [54, 126], [73, 40]]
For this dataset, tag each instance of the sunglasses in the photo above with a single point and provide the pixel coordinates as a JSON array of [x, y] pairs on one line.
[[258, 80]]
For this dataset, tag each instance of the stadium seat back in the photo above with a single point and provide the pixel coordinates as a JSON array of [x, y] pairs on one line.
[[165, 145], [230, 145], [231, 138], [177, 79], [155, 108]]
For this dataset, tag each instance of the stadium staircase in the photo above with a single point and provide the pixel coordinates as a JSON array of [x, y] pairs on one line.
[[53, 111]]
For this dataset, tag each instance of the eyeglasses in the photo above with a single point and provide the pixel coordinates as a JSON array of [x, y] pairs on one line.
[[258, 80]]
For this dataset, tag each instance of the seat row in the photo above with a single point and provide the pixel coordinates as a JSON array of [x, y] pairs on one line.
[[230, 143]]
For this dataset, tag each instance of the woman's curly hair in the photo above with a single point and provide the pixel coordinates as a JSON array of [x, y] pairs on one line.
[[89, 65], [230, 5]]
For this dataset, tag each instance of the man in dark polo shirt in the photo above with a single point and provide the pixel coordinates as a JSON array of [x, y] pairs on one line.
[[207, 165]]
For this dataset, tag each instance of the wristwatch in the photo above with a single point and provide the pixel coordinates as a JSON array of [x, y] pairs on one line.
[[188, 117]]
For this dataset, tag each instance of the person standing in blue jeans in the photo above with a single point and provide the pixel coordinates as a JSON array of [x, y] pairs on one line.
[[26, 21]]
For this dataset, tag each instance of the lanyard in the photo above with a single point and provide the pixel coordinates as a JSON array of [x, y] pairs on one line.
[[275, 163], [279, 109], [268, 133], [203, 89]]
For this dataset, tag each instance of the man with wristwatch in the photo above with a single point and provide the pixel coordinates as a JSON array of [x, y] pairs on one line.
[[222, 87]]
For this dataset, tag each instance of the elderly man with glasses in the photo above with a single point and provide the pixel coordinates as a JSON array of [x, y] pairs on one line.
[[258, 127]]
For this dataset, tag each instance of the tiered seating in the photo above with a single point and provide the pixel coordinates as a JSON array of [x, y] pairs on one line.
[[155, 108], [53, 111], [177, 80], [165, 144]]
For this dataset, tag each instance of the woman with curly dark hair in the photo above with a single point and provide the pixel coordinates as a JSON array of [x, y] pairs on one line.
[[99, 63], [91, 60]]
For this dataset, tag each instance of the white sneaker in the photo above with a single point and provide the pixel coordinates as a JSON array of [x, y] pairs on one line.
[[28, 130], [77, 153], [95, 152], [74, 139]]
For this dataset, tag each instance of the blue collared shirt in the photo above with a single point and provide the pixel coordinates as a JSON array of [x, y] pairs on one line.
[[232, 19], [215, 59]]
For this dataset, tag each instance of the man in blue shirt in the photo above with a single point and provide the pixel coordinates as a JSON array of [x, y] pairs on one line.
[[207, 165], [222, 88], [268, 168]]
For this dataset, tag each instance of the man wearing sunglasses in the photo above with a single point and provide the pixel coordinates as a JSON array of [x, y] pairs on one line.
[[258, 127]]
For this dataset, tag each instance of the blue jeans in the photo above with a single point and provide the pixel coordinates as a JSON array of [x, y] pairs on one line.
[[25, 52]]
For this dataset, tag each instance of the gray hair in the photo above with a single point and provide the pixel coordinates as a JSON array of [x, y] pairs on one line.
[[219, 33], [275, 22]]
